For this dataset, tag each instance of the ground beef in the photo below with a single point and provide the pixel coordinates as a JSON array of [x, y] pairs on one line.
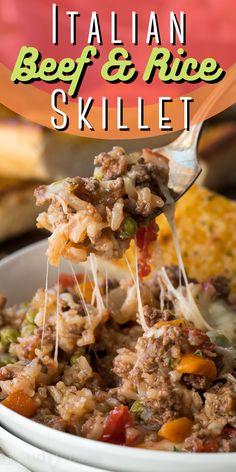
[[93, 427], [124, 362], [146, 373], [161, 163], [87, 188], [152, 315], [53, 421], [114, 189], [112, 164], [140, 172], [221, 285], [111, 338], [197, 382], [221, 401], [149, 173]]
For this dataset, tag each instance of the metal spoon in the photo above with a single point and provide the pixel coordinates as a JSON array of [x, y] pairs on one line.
[[183, 164], [182, 152]]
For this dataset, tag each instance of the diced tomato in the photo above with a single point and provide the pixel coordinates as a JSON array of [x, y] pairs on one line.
[[229, 432], [143, 269], [198, 338], [210, 445], [144, 237], [116, 424], [68, 280]]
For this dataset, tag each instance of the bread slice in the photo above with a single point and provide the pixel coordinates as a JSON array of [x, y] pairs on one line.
[[28, 151], [21, 147], [17, 207]]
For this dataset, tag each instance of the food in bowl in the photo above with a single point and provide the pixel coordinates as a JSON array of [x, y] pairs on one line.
[[146, 360], [170, 387]]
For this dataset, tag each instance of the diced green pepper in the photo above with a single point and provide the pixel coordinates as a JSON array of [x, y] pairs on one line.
[[6, 359], [8, 335], [171, 363], [30, 316], [137, 407], [27, 329], [175, 449], [199, 353], [129, 228]]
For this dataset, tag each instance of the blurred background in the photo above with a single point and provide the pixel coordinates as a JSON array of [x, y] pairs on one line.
[[30, 155]]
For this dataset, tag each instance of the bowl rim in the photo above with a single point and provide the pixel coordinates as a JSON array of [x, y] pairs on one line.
[[48, 457], [19, 252], [102, 447]]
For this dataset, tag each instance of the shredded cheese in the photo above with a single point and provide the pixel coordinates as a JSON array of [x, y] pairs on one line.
[[169, 212], [84, 305], [99, 299], [130, 270], [57, 317], [45, 304]]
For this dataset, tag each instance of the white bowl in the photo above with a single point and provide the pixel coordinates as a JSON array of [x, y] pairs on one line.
[[36, 460], [20, 275]]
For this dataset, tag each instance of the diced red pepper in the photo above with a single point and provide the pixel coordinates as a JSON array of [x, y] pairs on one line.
[[67, 280], [116, 424], [144, 237], [210, 445], [229, 432]]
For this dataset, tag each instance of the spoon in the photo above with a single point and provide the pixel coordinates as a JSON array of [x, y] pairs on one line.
[[183, 164], [184, 168]]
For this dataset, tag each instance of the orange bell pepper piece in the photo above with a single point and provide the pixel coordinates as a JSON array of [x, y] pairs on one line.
[[179, 322], [192, 364], [21, 403], [176, 430]]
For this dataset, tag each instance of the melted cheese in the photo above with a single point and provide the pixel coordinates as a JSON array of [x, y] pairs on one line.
[[129, 268], [222, 318], [84, 305], [94, 269], [57, 317], [45, 304], [184, 303]]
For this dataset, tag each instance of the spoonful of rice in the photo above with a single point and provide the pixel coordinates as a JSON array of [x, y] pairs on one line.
[[102, 213]]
